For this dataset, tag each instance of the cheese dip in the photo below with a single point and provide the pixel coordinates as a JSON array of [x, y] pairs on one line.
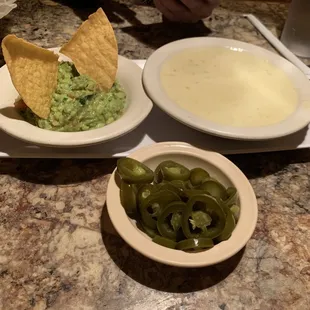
[[229, 87]]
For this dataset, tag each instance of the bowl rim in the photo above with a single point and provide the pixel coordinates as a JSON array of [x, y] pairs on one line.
[[32, 134], [295, 122], [141, 243]]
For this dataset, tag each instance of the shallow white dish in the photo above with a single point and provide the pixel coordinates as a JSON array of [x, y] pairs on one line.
[[138, 107], [296, 121], [220, 168]]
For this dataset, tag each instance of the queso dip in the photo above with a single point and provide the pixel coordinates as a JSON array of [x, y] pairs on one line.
[[229, 87]]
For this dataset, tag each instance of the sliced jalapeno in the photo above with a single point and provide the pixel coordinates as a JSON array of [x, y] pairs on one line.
[[211, 207], [192, 192], [169, 186], [158, 176], [178, 208], [232, 196], [144, 192], [128, 198], [189, 185], [230, 225], [169, 227], [179, 184], [214, 188], [154, 205], [170, 170], [195, 244], [134, 172], [165, 242], [235, 211], [149, 231], [197, 176], [118, 179]]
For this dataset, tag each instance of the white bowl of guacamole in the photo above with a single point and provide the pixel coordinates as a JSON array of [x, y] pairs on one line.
[[81, 114], [78, 104]]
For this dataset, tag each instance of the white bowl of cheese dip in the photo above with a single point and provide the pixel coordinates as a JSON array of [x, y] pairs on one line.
[[228, 88]]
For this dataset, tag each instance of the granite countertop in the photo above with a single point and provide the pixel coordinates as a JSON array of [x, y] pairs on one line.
[[56, 249]]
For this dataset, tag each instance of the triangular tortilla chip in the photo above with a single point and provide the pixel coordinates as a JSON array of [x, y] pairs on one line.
[[93, 50], [33, 72]]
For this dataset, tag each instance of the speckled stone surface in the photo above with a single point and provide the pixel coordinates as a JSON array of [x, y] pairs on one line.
[[55, 249]]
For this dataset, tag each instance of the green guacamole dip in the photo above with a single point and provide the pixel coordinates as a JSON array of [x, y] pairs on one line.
[[78, 104]]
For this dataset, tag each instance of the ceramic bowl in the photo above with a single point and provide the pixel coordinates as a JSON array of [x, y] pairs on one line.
[[138, 107], [296, 121], [220, 168]]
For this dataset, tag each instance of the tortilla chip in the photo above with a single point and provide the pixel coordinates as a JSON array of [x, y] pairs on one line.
[[93, 50], [33, 72]]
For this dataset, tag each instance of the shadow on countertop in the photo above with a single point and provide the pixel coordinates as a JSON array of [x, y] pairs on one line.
[[163, 277], [118, 12], [153, 35], [158, 34], [4, 26], [115, 11], [57, 172], [259, 165], [74, 171]]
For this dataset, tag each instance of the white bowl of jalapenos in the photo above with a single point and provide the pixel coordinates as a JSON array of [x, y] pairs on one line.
[[180, 205]]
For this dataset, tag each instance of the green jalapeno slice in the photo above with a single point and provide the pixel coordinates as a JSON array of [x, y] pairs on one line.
[[165, 242], [152, 207], [195, 244], [214, 188], [197, 176], [128, 198], [209, 218], [232, 196], [144, 192], [133, 172], [149, 231], [230, 225], [169, 170], [170, 220]]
